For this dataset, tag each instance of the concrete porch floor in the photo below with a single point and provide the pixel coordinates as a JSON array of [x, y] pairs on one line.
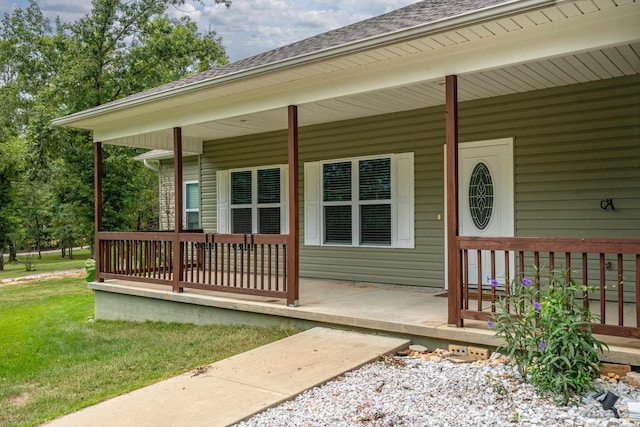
[[417, 313]]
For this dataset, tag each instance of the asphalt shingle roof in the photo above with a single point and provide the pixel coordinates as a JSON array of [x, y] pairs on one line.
[[417, 14]]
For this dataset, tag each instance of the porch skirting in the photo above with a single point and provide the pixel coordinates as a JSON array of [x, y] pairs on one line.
[[136, 306], [399, 311]]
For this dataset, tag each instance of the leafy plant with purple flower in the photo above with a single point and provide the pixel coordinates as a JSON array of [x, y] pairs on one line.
[[547, 331]]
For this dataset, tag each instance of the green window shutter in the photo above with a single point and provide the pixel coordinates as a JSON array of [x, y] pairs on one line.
[[312, 203], [403, 229]]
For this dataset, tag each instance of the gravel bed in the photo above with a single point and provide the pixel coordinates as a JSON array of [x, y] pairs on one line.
[[414, 392]]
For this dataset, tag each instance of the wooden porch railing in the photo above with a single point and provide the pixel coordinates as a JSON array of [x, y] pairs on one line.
[[252, 264], [612, 266], [141, 256]]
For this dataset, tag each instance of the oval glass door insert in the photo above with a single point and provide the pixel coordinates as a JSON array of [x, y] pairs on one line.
[[481, 196]]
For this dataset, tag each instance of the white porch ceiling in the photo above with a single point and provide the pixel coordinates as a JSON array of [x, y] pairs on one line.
[[618, 55]]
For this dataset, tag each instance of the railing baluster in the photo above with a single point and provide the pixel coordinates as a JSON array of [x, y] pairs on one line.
[[129, 254], [194, 262], [262, 267], [585, 280], [521, 265], [269, 268], [109, 254], [254, 248], [284, 268], [235, 265], [158, 259], [603, 294], [507, 275], [134, 257], [209, 266], [222, 246], [277, 265], [536, 274], [139, 258], [215, 262], [620, 292], [170, 255], [493, 276], [228, 271], [154, 259], [479, 291], [165, 257], [465, 283]]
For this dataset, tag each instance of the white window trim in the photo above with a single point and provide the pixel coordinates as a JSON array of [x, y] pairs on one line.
[[402, 202], [224, 198], [184, 203]]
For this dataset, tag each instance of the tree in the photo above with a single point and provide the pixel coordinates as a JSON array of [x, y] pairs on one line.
[[25, 42], [35, 209], [11, 167], [120, 48]]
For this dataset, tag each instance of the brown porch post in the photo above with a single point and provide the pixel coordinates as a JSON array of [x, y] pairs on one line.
[[97, 206], [178, 262], [293, 254], [453, 252]]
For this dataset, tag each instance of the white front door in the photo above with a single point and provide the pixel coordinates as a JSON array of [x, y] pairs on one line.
[[486, 199]]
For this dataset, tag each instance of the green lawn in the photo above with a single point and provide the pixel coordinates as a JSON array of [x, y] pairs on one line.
[[49, 262], [55, 360]]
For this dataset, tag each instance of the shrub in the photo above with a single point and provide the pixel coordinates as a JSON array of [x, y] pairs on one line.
[[29, 263], [547, 331]]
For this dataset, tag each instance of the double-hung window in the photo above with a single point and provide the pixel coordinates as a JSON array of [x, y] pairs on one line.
[[365, 201], [253, 200], [191, 205]]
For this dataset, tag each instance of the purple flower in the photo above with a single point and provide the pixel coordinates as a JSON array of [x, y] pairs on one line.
[[541, 345], [526, 281], [490, 323], [536, 305], [494, 283]]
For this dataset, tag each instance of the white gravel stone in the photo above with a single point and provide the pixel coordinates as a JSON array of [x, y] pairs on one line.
[[414, 392]]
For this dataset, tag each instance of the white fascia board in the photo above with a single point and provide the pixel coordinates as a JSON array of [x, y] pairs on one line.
[[156, 141], [612, 27], [481, 15], [161, 155]]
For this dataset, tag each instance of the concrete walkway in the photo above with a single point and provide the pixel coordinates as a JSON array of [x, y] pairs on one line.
[[240, 386]]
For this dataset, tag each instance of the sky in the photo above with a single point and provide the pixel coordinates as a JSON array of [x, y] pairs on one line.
[[248, 27]]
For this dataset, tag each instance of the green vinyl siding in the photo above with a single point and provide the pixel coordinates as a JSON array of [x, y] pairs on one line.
[[190, 172], [574, 146], [379, 135]]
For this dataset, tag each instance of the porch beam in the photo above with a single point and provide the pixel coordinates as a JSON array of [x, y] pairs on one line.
[[453, 251], [97, 205], [293, 253], [177, 224]]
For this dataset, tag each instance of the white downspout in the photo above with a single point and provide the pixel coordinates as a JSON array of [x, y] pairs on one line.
[[150, 165]]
